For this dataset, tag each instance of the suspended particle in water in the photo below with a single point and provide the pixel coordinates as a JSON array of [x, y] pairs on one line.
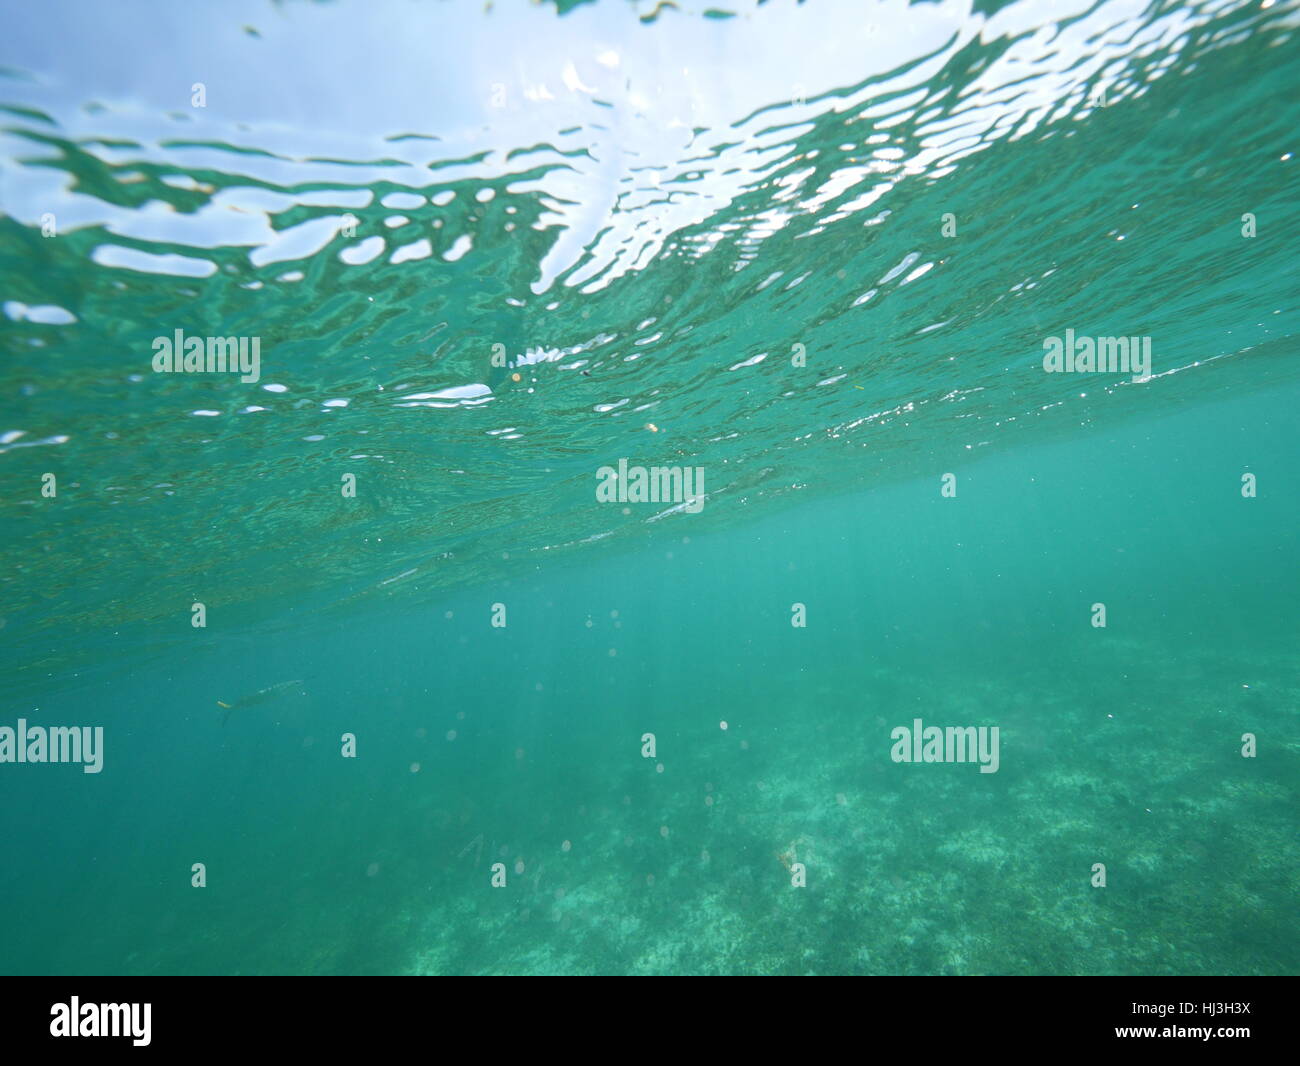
[[566, 846], [663, 831], [708, 801], [519, 866], [659, 768], [372, 870], [649, 879], [415, 767], [723, 726], [451, 734]]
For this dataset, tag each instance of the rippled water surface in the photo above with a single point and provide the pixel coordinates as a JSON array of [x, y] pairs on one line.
[[813, 249]]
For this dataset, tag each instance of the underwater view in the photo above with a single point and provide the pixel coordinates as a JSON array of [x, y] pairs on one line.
[[637, 487]]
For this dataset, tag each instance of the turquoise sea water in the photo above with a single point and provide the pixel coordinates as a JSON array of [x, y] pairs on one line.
[[811, 250]]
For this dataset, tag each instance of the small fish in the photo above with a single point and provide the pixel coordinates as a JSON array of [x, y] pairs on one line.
[[260, 696]]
